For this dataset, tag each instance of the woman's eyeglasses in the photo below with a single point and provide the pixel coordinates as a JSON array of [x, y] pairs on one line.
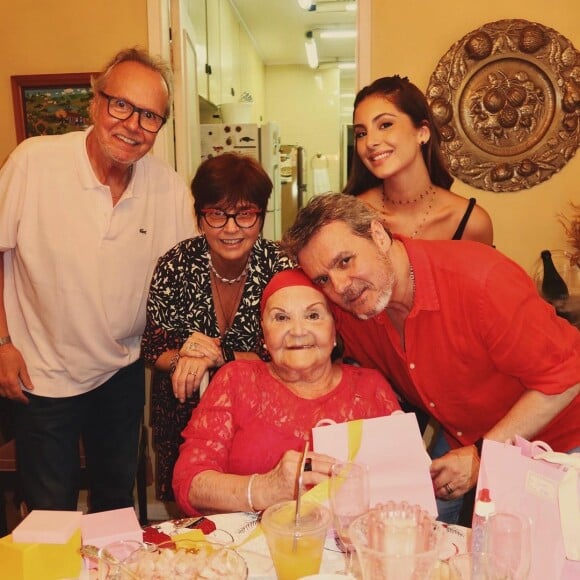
[[216, 218]]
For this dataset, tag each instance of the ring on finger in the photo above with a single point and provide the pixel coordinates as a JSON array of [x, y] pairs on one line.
[[192, 346], [448, 489], [192, 373], [308, 464]]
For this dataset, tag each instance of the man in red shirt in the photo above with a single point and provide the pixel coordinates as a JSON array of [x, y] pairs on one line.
[[456, 327]]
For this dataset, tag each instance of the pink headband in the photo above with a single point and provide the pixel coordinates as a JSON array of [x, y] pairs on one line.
[[285, 279]]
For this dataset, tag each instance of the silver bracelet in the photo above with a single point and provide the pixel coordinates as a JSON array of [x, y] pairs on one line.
[[249, 492]]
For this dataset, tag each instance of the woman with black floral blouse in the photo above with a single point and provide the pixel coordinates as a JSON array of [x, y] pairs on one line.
[[203, 306]]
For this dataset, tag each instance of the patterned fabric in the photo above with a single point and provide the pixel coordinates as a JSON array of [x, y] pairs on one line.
[[180, 302], [248, 419]]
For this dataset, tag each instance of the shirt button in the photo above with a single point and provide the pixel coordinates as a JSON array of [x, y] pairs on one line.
[[431, 404], [459, 433], [412, 366]]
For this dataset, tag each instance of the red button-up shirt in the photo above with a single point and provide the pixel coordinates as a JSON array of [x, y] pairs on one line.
[[477, 337]]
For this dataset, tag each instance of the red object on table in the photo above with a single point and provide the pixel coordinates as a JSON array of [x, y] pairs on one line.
[[154, 535]]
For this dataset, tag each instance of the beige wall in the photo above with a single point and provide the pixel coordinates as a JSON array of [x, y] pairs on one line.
[[64, 36], [61, 36], [409, 40]]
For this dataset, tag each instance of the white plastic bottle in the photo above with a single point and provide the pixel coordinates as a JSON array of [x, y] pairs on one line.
[[484, 508]]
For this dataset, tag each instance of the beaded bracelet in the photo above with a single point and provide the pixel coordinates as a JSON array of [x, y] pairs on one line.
[[249, 492], [173, 362]]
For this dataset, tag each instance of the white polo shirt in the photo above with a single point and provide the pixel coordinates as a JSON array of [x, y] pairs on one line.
[[77, 269]]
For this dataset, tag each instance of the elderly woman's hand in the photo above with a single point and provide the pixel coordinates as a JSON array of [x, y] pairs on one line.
[[280, 483], [199, 345]]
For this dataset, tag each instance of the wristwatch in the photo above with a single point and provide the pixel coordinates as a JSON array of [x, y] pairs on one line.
[[5, 340], [479, 445]]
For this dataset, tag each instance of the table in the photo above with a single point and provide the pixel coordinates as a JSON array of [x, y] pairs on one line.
[[252, 546]]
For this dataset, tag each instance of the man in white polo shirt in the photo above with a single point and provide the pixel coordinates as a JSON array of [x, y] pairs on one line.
[[83, 219]]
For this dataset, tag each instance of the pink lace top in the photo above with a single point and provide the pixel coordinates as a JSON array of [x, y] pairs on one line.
[[247, 419]]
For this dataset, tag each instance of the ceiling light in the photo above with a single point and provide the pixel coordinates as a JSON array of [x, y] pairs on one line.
[[327, 6], [311, 50], [307, 5], [337, 33], [338, 6]]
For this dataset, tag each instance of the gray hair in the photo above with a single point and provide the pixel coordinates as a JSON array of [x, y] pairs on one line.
[[141, 56], [323, 210]]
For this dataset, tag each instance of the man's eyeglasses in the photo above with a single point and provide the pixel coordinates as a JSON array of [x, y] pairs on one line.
[[122, 110], [216, 218]]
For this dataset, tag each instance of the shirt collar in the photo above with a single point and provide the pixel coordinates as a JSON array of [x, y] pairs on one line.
[[426, 296]]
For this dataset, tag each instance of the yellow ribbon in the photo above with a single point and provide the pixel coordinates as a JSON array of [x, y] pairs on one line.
[[319, 493]]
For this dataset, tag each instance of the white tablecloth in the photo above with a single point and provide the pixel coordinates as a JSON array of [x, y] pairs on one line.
[[255, 550]]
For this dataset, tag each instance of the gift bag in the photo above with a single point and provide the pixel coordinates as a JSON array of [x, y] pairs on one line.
[[529, 479], [393, 449]]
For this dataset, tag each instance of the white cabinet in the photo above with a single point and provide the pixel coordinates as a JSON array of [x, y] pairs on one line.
[[230, 50], [197, 14], [213, 50], [225, 54]]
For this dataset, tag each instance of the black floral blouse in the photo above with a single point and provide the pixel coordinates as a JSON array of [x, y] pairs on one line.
[[180, 302]]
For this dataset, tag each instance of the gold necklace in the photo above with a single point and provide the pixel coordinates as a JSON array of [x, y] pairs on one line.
[[431, 191], [231, 314], [411, 201]]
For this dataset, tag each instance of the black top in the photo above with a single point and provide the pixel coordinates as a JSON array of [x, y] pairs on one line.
[[461, 227]]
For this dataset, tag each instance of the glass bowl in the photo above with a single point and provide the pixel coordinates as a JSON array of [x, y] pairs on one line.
[[111, 559], [396, 541], [186, 559]]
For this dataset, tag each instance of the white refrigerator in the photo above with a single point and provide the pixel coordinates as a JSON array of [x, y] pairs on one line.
[[261, 142]]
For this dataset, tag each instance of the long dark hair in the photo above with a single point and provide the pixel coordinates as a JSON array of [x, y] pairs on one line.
[[411, 101]]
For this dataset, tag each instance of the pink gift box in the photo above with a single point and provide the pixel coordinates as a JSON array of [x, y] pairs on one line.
[[47, 527], [102, 528]]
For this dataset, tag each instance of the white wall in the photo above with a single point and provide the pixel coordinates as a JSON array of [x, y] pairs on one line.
[[306, 105]]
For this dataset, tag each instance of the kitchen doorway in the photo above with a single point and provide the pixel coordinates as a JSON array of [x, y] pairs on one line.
[[159, 22]]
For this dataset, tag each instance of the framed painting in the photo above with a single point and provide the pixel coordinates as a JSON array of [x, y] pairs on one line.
[[50, 104]]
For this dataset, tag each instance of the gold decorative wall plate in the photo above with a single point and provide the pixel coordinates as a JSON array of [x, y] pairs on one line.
[[506, 98]]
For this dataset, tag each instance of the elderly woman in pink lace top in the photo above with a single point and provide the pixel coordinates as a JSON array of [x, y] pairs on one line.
[[243, 442]]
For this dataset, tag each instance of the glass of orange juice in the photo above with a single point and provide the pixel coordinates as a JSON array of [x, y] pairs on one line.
[[296, 549]]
